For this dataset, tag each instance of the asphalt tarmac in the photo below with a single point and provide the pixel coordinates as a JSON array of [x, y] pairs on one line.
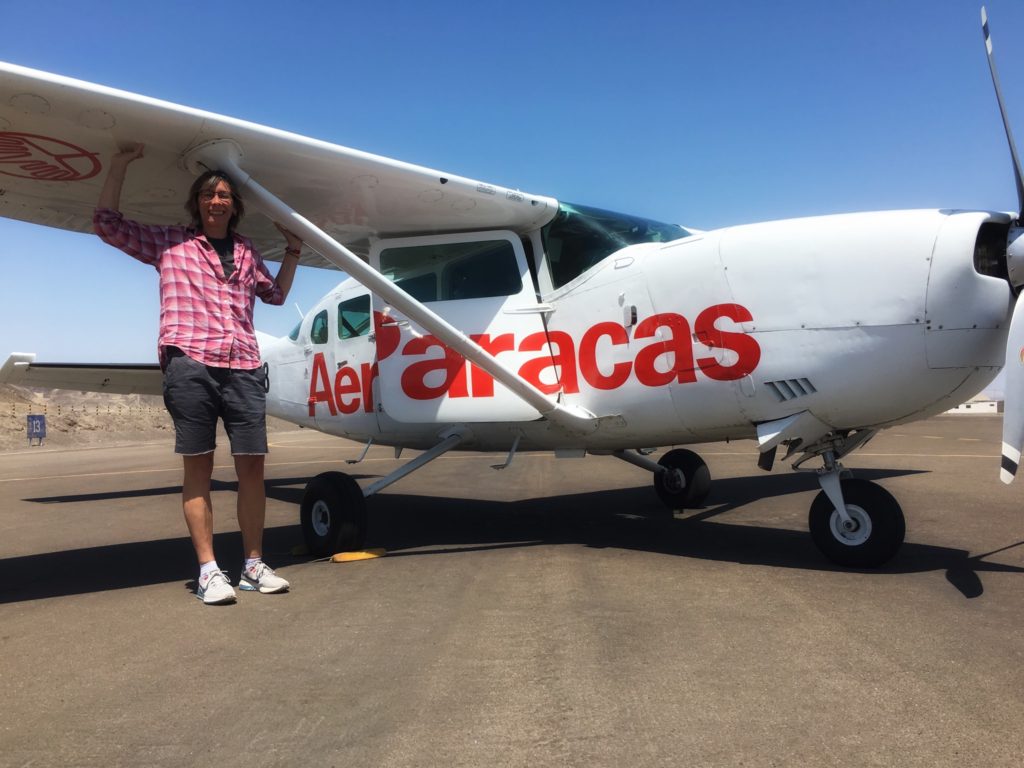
[[550, 614]]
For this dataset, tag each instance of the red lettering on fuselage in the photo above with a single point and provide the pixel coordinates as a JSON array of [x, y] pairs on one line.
[[481, 381], [748, 351], [561, 364], [347, 382], [592, 374], [320, 386], [452, 365], [601, 360], [677, 350]]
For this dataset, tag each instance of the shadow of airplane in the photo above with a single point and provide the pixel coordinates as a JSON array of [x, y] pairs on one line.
[[280, 488], [417, 526]]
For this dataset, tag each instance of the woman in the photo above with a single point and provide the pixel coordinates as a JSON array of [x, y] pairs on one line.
[[209, 279]]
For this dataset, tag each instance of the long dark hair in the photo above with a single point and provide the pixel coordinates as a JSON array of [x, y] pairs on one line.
[[207, 181]]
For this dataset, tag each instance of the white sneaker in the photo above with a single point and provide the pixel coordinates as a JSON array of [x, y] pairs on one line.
[[262, 577], [215, 589]]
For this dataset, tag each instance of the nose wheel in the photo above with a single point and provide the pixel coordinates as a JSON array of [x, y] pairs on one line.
[[870, 533]]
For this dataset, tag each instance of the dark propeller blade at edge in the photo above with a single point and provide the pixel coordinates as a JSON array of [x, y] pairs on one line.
[[1002, 111], [1013, 407], [1013, 414]]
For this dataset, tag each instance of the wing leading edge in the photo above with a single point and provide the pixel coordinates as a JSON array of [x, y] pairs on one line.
[[56, 134]]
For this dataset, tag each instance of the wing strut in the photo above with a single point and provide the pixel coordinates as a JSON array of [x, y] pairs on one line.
[[225, 154]]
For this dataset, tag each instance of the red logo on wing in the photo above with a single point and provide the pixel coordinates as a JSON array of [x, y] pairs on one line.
[[28, 156]]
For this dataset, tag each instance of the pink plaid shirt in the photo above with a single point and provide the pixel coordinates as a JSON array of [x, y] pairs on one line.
[[207, 317]]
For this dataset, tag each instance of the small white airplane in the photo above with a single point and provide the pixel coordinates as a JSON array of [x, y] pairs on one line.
[[486, 319]]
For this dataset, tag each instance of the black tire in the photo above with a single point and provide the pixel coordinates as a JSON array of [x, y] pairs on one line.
[[333, 514], [878, 536], [698, 480]]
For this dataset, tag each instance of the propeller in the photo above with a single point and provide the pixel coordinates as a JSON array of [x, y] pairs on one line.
[[1013, 405]]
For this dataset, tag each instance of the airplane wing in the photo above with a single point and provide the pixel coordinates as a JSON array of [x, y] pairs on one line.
[[57, 134], [121, 379]]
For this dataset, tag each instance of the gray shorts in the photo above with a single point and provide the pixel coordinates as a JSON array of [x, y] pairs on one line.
[[197, 395]]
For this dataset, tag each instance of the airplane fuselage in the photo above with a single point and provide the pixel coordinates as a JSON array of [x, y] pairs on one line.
[[862, 320]]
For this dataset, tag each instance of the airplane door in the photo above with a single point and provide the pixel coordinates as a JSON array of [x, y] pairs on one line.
[[343, 369], [480, 283], [601, 316]]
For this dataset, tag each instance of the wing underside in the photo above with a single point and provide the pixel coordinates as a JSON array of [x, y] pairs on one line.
[[56, 135], [121, 379]]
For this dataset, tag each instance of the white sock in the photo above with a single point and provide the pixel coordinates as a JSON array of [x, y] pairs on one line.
[[207, 568], [252, 562]]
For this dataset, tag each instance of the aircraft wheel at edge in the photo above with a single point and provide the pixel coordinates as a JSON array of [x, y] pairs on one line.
[[333, 514], [880, 525], [698, 480]]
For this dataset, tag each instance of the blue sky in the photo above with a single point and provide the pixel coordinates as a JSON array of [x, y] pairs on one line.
[[705, 114]]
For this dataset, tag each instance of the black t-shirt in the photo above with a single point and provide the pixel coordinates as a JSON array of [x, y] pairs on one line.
[[225, 248]]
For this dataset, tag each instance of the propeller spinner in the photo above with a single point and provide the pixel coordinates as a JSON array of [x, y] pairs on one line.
[[1013, 416]]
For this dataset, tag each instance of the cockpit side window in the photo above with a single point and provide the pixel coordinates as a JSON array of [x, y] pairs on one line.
[[579, 237]]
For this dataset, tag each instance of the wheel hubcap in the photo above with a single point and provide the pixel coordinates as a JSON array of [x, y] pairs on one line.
[[857, 532], [321, 518], [673, 480]]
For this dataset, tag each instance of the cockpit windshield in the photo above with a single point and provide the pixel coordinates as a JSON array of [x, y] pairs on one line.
[[579, 237]]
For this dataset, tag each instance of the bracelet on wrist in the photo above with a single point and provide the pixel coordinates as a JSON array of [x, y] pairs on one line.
[[292, 251]]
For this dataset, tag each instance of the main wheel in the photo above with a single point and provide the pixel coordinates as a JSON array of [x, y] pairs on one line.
[[876, 533], [333, 514], [672, 493]]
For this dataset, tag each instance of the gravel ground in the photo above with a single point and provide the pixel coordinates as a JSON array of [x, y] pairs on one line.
[[86, 419]]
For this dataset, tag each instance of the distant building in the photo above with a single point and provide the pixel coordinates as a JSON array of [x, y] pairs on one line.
[[978, 405]]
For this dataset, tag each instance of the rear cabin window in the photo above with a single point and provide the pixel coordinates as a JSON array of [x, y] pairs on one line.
[[579, 237], [318, 331], [454, 271], [354, 317]]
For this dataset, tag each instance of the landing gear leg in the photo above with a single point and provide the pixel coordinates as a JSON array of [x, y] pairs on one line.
[[333, 510]]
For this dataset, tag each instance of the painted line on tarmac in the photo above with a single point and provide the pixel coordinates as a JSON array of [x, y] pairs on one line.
[[988, 456]]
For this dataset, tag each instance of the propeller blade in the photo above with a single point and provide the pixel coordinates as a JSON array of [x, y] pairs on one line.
[[1013, 367], [1002, 110], [1013, 414]]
